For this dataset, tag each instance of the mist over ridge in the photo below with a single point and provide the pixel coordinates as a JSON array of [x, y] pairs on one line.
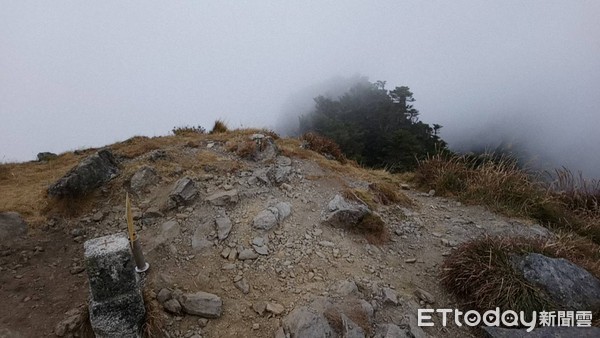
[[85, 75]]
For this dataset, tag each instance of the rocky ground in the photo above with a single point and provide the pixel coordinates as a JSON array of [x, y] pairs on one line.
[[254, 236]]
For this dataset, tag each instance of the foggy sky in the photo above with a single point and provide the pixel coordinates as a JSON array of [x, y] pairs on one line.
[[76, 74]]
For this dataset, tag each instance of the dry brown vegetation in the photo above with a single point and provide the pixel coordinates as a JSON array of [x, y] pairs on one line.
[[324, 146], [502, 185], [480, 274], [219, 127]]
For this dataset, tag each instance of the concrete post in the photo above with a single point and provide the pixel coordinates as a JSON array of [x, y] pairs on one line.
[[116, 303]]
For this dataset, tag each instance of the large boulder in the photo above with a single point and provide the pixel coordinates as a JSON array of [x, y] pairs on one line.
[[569, 285], [342, 213], [89, 174], [12, 226]]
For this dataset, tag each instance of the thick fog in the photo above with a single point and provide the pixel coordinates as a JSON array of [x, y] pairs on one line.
[[79, 74]]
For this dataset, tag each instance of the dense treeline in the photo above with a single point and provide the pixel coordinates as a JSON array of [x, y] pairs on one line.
[[376, 127]]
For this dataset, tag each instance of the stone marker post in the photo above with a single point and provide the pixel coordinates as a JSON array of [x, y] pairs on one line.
[[116, 303]]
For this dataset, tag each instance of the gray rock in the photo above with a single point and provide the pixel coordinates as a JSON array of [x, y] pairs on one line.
[[223, 227], [283, 161], [243, 286], [261, 250], [153, 212], [88, 175], [46, 156], [223, 198], [258, 241], [74, 318], [247, 254], [97, 217], [279, 174], [184, 192], [275, 308], [346, 288], [569, 285], [424, 296], [172, 306], [142, 178], [390, 296], [12, 226], [306, 322], [280, 333], [342, 213], [270, 217], [157, 155], [390, 331], [543, 332], [350, 329], [266, 149], [261, 176], [260, 307], [266, 219], [202, 304], [164, 295], [284, 210]]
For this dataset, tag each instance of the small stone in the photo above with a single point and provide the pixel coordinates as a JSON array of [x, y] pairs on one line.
[[223, 227], [243, 286], [164, 295], [390, 296], [275, 308], [404, 187], [260, 307], [232, 254], [424, 296], [230, 266], [225, 253], [202, 322], [259, 241], [202, 304], [410, 260], [431, 192], [261, 250], [172, 306], [97, 217], [346, 288], [247, 254], [255, 326], [327, 244]]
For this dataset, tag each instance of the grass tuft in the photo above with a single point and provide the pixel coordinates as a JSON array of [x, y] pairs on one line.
[[187, 130], [219, 127], [373, 228], [324, 146]]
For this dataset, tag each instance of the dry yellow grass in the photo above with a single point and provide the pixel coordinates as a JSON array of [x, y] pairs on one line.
[[24, 185]]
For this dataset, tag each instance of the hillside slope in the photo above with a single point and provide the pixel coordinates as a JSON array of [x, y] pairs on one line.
[[197, 244]]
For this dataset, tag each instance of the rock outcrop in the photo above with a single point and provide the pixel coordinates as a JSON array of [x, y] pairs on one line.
[[88, 175]]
